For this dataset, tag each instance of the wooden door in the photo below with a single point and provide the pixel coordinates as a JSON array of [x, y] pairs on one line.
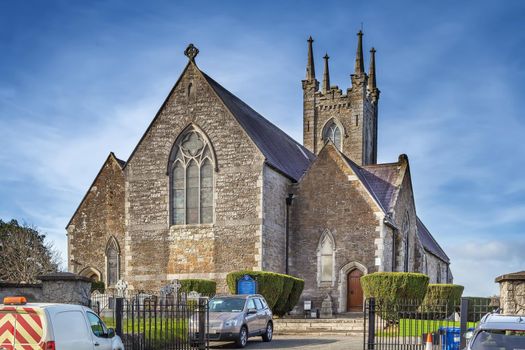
[[354, 291]]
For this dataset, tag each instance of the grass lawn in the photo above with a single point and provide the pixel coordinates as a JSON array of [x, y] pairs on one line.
[[413, 328], [158, 329]]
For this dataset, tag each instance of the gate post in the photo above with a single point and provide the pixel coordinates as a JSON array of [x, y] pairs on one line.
[[371, 323], [463, 319], [202, 323], [119, 309]]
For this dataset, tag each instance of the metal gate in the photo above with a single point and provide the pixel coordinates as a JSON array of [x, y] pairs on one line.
[[407, 324], [147, 321]]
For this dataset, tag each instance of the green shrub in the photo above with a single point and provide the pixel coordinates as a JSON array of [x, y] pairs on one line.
[[281, 307], [396, 292], [295, 294], [98, 285], [202, 286], [442, 299], [394, 286], [269, 284]]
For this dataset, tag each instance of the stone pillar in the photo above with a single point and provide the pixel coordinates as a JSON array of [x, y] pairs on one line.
[[512, 293], [66, 287]]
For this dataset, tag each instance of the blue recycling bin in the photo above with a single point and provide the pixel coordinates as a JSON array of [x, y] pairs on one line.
[[450, 338]]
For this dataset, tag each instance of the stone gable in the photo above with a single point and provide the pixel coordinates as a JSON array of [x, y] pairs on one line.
[[159, 251], [330, 197], [99, 217]]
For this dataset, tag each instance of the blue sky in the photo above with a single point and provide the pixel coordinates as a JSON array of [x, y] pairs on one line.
[[81, 79]]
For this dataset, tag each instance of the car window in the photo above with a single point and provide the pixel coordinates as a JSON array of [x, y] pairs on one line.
[[227, 304], [251, 304], [265, 305], [258, 304], [97, 326]]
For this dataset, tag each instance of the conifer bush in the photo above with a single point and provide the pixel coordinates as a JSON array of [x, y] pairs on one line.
[[202, 286]]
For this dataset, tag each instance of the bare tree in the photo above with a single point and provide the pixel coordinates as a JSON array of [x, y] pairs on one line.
[[24, 253]]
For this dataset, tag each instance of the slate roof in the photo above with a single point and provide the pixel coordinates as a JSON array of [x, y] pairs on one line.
[[379, 180], [281, 151], [382, 178], [429, 243]]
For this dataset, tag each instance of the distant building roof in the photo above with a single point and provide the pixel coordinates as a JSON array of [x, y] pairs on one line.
[[429, 243], [281, 151]]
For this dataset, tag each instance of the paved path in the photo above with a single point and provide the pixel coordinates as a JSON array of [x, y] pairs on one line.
[[325, 342]]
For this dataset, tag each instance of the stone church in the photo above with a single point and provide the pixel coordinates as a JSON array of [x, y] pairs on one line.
[[213, 187]]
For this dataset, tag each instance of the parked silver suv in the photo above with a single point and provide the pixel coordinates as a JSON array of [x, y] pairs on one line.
[[238, 317], [498, 332]]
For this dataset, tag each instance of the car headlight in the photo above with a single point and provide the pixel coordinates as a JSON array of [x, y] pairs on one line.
[[231, 323]]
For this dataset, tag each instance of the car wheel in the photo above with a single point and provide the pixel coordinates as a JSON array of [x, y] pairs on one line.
[[243, 337], [267, 336]]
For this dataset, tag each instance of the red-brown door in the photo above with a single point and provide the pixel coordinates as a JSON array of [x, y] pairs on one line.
[[354, 291]]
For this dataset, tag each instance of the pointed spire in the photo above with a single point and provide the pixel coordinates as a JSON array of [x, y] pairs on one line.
[[372, 74], [359, 63], [310, 67], [326, 76]]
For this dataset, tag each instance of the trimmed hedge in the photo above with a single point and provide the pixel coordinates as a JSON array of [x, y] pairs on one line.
[[393, 286], [98, 285], [280, 308], [442, 298], [269, 284], [202, 286], [282, 292], [295, 294]]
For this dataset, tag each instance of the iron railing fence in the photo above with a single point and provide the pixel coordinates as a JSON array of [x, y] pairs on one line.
[[407, 324], [154, 321]]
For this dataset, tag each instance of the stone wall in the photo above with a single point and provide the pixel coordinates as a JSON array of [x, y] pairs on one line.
[[404, 205], [512, 297], [512, 293], [330, 197], [32, 292], [158, 251], [436, 269], [61, 287], [99, 217], [275, 190]]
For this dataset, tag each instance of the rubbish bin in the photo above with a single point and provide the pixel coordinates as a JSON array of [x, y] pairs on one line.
[[450, 338]]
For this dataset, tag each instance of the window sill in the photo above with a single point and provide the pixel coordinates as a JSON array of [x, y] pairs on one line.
[[186, 226]]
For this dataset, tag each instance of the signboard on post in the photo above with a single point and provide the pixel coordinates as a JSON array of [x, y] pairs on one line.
[[246, 285]]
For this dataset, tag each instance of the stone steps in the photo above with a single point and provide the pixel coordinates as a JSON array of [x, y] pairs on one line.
[[339, 326]]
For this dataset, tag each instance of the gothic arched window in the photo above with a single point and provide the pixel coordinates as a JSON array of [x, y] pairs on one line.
[[191, 177], [332, 132], [406, 229], [112, 262], [326, 257]]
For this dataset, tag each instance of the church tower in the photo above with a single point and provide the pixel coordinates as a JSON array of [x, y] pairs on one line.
[[348, 120]]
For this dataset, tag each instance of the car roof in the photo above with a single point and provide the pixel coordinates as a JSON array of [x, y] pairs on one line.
[[45, 306], [243, 296], [509, 322]]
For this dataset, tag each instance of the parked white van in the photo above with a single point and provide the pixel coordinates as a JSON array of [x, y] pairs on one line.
[[45, 326]]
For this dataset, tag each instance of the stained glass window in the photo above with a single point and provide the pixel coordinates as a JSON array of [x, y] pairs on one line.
[[332, 132], [327, 259], [192, 180]]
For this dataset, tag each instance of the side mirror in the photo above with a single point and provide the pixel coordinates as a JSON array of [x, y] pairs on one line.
[[469, 334], [252, 311], [111, 333]]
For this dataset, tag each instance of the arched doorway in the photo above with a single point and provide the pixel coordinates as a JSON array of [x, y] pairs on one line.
[[354, 291]]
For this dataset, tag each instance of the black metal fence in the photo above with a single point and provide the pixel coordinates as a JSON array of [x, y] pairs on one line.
[[148, 321], [407, 324]]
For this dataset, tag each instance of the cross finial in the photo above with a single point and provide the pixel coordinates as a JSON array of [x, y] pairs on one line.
[[191, 51]]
